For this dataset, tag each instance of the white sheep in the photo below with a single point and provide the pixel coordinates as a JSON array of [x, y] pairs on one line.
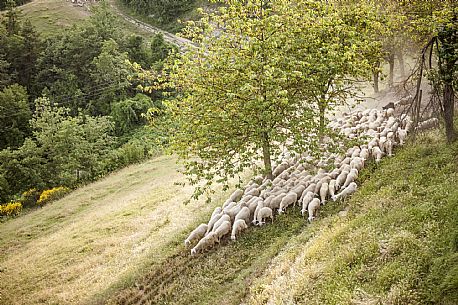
[[239, 226], [256, 212], [377, 153], [223, 229], [213, 220], [276, 201], [341, 179], [402, 135], [244, 214], [264, 213], [313, 208], [220, 221], [196, 234], [205, 243], [236, 195], [332, 187], [347, 191], [306, 201], [324, 190], [286, 201]]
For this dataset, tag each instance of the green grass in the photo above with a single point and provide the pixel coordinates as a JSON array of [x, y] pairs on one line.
[[51, 16], [398, 244]]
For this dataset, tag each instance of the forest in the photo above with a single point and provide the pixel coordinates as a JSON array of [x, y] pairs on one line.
[[70, 111]]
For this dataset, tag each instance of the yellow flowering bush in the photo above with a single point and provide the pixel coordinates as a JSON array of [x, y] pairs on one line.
[[29, 198], [10, 209], [52, 194]]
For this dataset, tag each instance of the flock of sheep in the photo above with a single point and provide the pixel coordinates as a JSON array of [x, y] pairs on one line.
[[293, 182]]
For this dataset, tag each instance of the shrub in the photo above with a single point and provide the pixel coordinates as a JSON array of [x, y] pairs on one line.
[[29, 198], [52, 194], [10, 209]]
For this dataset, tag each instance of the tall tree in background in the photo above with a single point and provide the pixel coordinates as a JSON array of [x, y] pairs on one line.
[[14, 116]]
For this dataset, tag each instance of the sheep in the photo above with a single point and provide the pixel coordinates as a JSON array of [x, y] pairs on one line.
[[196, 234], [320, 183], [313, 208], [216, 211], [264, 213], [364, 154], [258, 208], [205, 243], [232, 212], [427, 124], [401, 134], [213, 220], [223, 229], [243, 214], [377, 153], [286, 201], [236, 195], [305, 202], [298, 190], [332, 187], [350, 189], [254, 192], [324, 192], [279, 169], [341, 179], [276, 201], [389, 147], [252, 186], [223, 218], [239, 226], [310, 188], [350, 178], [357, 163]]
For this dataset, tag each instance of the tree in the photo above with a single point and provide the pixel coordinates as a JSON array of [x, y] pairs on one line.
[[14, 116], [110, 71], [263, 74], [435, 23]]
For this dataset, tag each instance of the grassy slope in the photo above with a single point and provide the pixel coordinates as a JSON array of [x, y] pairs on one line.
[[97, 237], [51, 16], [396, 245]]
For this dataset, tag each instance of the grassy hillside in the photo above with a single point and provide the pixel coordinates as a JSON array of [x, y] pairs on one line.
[[394, 242], [99, 235], [50, 16], [120, 241]]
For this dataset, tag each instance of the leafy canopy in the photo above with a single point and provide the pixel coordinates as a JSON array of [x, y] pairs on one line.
[[251, 89]]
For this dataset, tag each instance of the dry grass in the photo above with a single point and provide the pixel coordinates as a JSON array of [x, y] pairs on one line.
[[72, 249], [50, 16]]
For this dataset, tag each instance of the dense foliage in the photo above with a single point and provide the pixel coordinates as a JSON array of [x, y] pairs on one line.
[[264, 81], [69, 103], [163, 11]]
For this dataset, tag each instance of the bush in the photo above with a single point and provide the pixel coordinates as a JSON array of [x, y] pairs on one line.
[[29, 198], [52, 194], [10, 209]]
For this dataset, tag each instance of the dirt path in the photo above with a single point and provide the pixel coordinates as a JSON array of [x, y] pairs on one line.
[[181, 42]]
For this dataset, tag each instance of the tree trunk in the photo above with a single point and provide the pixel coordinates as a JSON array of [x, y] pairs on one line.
[[322, 109], [449, 105], [266, 156], [401, 64], [376, 77], [391, 75]]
